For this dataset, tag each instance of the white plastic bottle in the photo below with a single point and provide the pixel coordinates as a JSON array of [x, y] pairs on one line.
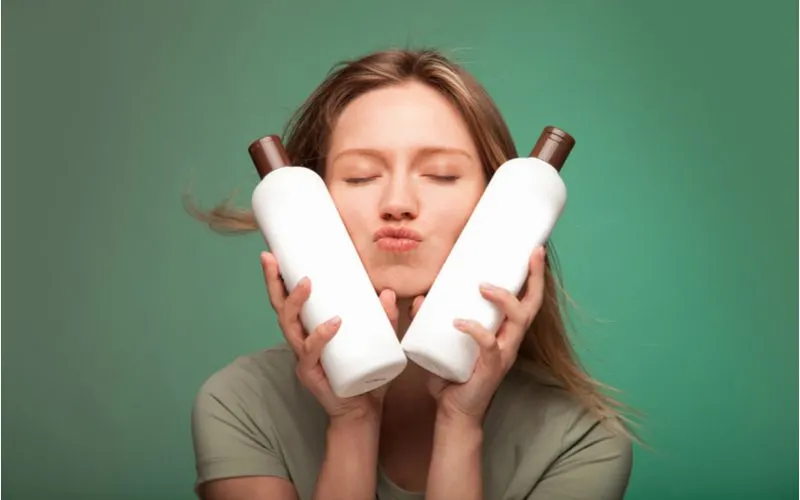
[[304, 230], [516, 213]]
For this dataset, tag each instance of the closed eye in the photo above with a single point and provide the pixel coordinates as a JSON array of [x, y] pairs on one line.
[[444, 178], [359, 180]]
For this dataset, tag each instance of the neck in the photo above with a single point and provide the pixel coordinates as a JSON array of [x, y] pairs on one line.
[[409, 416], [408, 399], [404, 319]]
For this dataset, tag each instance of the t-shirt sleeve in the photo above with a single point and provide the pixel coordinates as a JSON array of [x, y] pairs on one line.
[[597, 466], [231, 430]]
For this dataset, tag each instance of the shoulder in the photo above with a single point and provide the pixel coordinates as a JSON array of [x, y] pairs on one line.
[[557, 442], [531, 391], [250, 418], [259, 387], [246, 390], [254, 372]]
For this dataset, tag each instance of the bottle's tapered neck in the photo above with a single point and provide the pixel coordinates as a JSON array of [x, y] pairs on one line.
[[268, 154], [553, 147]]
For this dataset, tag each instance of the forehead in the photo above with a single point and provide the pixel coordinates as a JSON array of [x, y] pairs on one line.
[[401, 117]]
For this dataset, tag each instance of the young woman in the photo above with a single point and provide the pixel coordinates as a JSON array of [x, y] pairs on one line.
[[408, 139]]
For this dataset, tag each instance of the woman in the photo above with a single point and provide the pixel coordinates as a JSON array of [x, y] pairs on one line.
[[408, 139]]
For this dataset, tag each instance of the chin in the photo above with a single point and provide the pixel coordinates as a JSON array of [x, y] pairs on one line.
[[404, 283]]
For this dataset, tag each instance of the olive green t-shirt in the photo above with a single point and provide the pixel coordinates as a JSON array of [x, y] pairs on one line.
[[253, 417]]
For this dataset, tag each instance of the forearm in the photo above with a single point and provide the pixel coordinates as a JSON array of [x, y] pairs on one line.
[[349, 469], [455, 470]]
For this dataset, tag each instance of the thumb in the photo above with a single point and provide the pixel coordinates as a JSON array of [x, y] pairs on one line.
[[436, 385], [415, 305], [389, 303]]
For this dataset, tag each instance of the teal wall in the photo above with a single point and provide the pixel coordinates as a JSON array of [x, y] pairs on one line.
[[679, 242]]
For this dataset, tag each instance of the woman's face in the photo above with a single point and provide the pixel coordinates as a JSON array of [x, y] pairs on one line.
[[405, 176]]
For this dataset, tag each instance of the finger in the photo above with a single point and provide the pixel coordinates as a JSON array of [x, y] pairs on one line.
[[415, 305], [507, 302], [294, 302], [313, 345], [272, 277], [489, 349], [389, 302], [436, 385], [289, 316], [293, 332], [534, 290]]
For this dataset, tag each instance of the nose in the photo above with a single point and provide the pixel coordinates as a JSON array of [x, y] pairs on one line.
[[399, 200]]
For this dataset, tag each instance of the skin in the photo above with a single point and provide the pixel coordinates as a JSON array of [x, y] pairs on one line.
[[401, 156], [384, 169]]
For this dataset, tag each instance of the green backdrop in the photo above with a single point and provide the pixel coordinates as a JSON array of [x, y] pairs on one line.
[[679, 242]]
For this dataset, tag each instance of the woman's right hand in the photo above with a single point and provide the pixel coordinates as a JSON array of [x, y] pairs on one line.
[[308, 347]]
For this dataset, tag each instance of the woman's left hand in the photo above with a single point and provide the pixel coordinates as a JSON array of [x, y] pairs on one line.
[[469, 401]]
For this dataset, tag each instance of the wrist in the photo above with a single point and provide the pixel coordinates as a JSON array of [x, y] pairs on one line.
[[455, 470], [351, 457], [356, 418], [454, 425], [350, 425], [454, 419], [353, 444]]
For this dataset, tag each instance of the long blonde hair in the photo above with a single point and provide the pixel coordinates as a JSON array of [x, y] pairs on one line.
[[546, 345]]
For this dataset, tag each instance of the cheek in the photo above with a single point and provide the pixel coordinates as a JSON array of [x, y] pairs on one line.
[[353, 215], [353, 221], [453, 216]]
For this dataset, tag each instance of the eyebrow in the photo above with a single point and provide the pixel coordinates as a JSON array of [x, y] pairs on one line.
[[421, 152]]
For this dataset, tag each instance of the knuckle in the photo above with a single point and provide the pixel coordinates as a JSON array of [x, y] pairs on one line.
[[299, 299], [301, 374], [305, 349], [520, 314], [284, 319], [282, 324], [322, 330], [487, 340]]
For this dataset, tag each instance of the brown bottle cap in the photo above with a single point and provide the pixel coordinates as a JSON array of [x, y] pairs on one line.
[[268, 154], [553, 147]]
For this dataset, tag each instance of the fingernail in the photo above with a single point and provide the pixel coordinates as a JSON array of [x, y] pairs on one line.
[[334, 321], [487, 287], [459, 323]]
